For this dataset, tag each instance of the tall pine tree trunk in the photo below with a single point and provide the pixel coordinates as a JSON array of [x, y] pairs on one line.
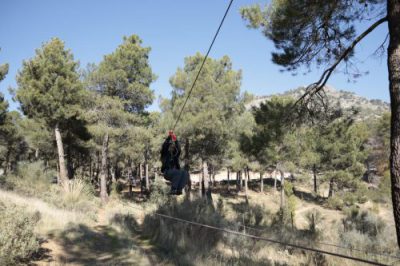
[[208, 183], [70, 167], [130, 177], [7, 162], [90, 169], [60, 150], [237, 182], [331, 191], [393, 13], [141, 178], [203, 178], [315, 178], [114, 173], [246, 188], [213, 176], [187, 163], [104, 169], [146, 174], [282, 190], [98, 164], [228, 177], [240, 181]]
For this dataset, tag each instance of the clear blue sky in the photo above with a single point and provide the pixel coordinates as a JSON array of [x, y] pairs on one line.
[[174, 30]]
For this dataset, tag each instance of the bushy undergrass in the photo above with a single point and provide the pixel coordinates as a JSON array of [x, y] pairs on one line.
[[31, 179], [76, 195], [17, 239], [364, 230], [186, 244]]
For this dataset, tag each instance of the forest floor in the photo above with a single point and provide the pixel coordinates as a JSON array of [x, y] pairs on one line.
[[68, 240], [71, 238]]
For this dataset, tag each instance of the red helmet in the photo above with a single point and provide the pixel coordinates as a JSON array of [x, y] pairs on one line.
[[172, 135]]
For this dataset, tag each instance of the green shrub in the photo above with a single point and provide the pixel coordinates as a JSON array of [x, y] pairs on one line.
[[363, 221], [254, 216], [32, 179], [288, 188], [383, 193], [119, 187], [5, 183], [159, 191], [314, 218], [384, 243], [349, 199], [17, 239], [75, 195], [179, 238], [335, 203]]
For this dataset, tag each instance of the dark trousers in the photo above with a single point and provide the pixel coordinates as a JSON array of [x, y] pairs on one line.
[[178, 178]]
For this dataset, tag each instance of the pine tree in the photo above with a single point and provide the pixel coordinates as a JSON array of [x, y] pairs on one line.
[[3, 102], [210, 110], [310, 32], [123, 78], [12, 141], [49, 89]]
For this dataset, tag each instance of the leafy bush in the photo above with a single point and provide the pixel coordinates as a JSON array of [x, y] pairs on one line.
[[17, 239], [335, 203], [363, 221], [75, 195], [159, 191], [169, 233], [32, 179], [5, 183], [314, 217], [254, 215], [118, 187]]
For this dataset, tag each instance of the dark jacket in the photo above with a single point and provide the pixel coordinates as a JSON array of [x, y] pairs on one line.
[[170, 157]]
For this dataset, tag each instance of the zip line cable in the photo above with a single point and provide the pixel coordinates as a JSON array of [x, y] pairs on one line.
[[244, 234], [202, 64], [333, 245], [229, 231]]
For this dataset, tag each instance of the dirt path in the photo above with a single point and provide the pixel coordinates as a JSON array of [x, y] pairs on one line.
[[74, 242]]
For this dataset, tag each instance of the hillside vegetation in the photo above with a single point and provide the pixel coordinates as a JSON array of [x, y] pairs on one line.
[[81, 179]]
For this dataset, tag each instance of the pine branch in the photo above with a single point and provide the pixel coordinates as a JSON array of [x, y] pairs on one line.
[[316, 87]]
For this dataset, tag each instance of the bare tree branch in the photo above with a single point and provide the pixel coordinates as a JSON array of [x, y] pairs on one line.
[[316, 87]]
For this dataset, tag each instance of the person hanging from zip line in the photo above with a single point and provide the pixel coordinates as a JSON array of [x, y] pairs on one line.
[[170, 152]]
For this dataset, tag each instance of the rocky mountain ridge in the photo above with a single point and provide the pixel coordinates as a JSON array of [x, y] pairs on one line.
[[344, 99]]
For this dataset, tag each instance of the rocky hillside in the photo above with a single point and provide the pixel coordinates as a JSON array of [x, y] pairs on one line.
[[345, 99]]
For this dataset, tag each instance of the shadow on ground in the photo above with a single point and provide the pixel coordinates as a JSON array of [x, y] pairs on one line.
[[101, 245], [309, 197]]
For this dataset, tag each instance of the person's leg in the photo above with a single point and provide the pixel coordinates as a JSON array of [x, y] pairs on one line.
[[184, 178], [173, 175]]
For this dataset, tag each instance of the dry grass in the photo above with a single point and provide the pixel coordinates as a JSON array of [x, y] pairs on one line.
[[52, 218], [122, 221]]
